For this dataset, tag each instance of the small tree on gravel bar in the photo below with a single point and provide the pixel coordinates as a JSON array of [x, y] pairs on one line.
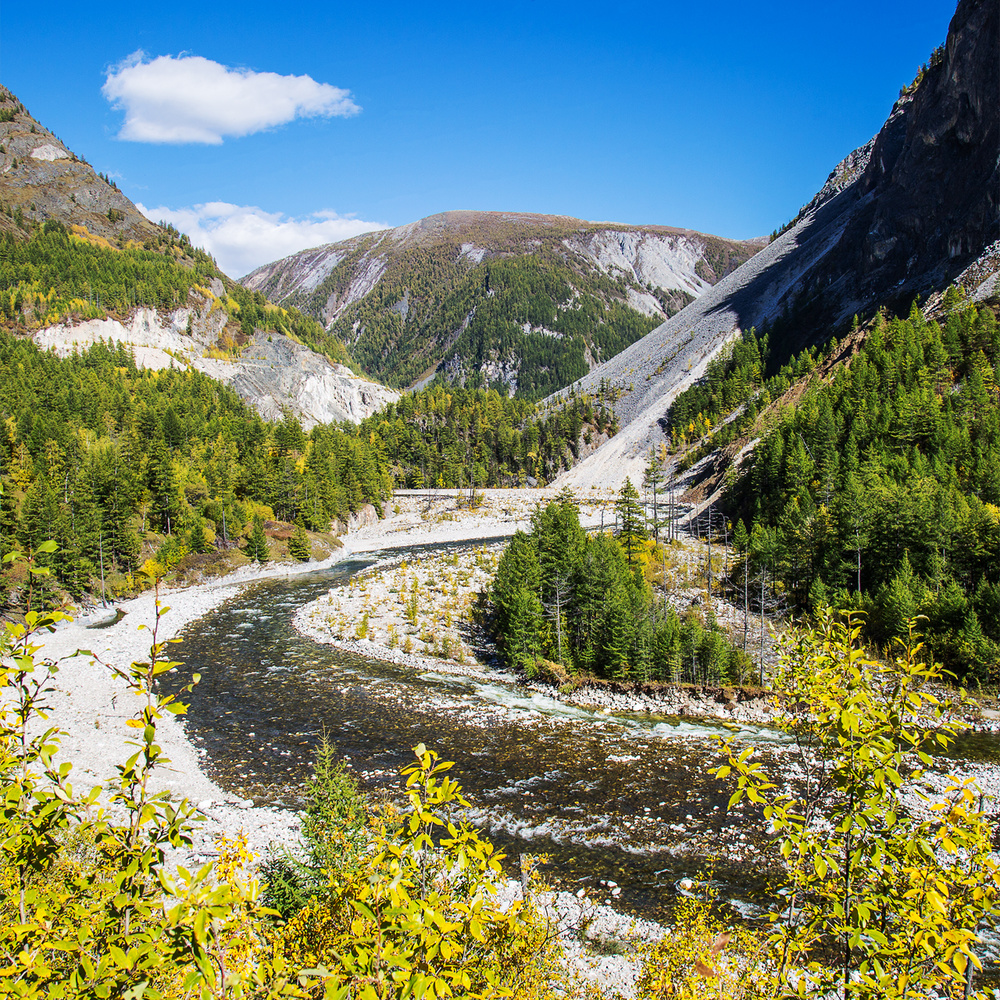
[[884, 887]]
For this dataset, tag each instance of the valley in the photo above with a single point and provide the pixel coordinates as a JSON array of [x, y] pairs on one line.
[[666, 564]]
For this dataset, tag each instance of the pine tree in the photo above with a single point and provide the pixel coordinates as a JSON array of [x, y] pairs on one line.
[[197, 541], [257, 549], [298, 545]]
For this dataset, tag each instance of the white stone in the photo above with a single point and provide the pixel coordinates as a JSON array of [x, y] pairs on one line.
[[49, 152]]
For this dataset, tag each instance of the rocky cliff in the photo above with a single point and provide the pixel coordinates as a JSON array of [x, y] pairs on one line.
[[522, 301], [41, 179], [904, 216], [928, 202]]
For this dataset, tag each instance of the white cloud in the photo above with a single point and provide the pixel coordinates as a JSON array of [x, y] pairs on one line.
[[183, 98], [242, 237]]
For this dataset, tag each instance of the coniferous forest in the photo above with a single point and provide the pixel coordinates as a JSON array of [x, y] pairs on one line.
[[879, 489], [110, 460], [449, 436], [117, 463], [584, 603]]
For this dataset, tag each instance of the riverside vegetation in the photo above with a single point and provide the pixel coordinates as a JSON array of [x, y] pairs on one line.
[[876, 898], [565, 602], [91, 908]]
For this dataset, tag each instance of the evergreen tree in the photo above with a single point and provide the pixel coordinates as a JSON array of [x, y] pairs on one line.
[[631, 520], [257, 548], [298, 545], [197, 540]]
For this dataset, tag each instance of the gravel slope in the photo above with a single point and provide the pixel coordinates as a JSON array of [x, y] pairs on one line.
[[654, 370]]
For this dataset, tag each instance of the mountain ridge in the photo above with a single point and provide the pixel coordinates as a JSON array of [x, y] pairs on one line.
[[418, 287], [903, 216], [48, 192]]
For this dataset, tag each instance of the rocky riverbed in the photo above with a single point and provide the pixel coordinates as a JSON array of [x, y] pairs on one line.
[[91, 707]]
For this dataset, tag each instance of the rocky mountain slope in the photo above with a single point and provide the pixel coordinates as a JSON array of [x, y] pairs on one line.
[[272, 372], [904, 216], [524, 302], [41, 181]]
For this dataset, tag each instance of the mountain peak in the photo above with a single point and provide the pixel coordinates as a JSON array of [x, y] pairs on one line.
[[41, 179], [423, 297]]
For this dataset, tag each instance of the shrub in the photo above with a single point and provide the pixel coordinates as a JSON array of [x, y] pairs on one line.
[[89, 908], [879, 899], [417, 915]]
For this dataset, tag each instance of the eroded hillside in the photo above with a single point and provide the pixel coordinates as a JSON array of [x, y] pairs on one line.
[[525, 303], [79, 263], [903, 217]]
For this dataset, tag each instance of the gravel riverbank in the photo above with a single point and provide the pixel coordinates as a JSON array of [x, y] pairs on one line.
[[91, 706]]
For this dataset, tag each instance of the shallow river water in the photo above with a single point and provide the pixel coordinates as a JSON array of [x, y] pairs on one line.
[[609, 797]]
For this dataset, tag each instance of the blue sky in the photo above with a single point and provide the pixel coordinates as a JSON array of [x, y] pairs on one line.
[[265, 128]]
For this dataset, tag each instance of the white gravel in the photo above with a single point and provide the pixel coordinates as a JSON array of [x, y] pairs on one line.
[[90, 705]]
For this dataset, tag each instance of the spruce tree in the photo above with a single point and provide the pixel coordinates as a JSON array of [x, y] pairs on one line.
[[298, 545], [257, 549], [197, 542]]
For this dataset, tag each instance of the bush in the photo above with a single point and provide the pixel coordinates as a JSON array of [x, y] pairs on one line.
[[417, 915], [89, 908], [879, 898]]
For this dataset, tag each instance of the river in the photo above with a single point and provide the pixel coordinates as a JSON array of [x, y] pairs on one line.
[[610, 798]]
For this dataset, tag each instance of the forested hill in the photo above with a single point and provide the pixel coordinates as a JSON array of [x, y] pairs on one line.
[[876, 482], [79, 263], [523, 303], [117, 464]]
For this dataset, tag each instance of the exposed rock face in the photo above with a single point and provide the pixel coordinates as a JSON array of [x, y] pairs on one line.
[[905, 215], [928, 202], [272, 373], [404, 298]]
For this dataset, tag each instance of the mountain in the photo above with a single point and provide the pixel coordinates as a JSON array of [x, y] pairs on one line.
[[903, 217], [41, 179], [79, 263], [525, 303]]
